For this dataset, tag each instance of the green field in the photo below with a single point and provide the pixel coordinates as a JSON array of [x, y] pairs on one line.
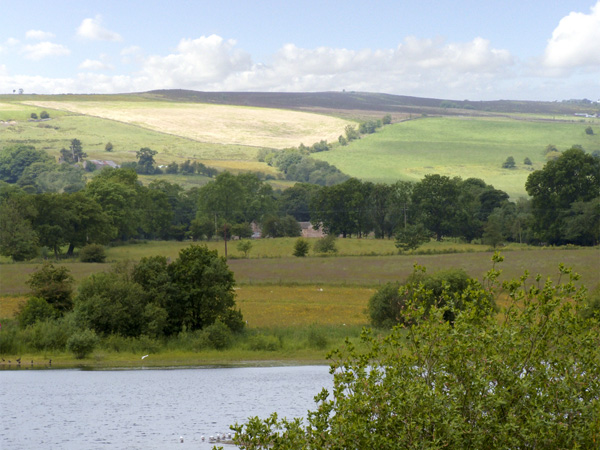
[[459, 146]]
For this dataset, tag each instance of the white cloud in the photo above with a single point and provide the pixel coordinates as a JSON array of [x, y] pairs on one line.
[[96, 65], [419, 67], [431, 67], [38, 35], [195, 62], [12, 42], [44, 49], [575, 41], [93, 30]]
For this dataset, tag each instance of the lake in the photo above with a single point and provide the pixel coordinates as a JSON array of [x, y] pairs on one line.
[[147, 409]]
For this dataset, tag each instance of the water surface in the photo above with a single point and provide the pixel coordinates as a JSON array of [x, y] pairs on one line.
[[146, 409]]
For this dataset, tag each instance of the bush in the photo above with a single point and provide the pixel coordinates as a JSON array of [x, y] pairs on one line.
[[48, 335], [44, 115], [301, 247], [509, 163], [589, 130], [448, 290], [527, 381], [35, 309], [261, 342], [386, 305], [53, 284], [325, 245], [317, 339], [108, 147], [34, 116], [92, 253], [244, 246], [82, 343], [412, 237], [591, 307], [219, 335]]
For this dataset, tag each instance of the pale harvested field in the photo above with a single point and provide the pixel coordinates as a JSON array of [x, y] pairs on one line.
[[220, 124]]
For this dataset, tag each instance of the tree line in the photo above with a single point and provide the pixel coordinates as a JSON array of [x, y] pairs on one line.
[[115, 206]]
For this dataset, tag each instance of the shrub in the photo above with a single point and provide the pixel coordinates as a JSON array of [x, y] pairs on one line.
[[44, 115], [527, 161], [325, 245], [589, 130], [219, 335], [261, 342], [34, 116], [591, 307], [35, 309], [53, 284], [92, 253], [509, 163], [301, 247], [412, 237], [386, 305], [82, 343], [48, 335], [108, 147], [527, 381], [448, 290], [317, 338], [244, 246]]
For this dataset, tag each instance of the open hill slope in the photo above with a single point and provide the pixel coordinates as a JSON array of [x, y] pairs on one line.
[[226, 130]]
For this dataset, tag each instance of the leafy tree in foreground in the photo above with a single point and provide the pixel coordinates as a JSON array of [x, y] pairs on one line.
[[527, 381]]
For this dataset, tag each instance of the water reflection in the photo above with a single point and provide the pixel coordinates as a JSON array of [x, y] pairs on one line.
[[149, 409]]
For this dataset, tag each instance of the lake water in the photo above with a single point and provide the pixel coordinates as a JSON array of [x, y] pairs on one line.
[[146, 409]]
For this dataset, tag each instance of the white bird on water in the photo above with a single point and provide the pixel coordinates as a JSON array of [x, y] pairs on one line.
[[145, 356]]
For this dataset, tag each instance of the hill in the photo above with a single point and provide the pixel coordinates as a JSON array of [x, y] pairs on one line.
[[365, 102], [226, 130]]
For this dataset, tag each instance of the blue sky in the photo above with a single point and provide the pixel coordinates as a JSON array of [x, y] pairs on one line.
[[461, 49]]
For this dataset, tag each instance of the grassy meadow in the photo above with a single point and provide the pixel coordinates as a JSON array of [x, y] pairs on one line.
[[459, 146], [216, 124]]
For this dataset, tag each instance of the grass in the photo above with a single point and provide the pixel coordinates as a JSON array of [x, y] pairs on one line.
[[276, 267], [216, 124], [457, 146], [95, 132]]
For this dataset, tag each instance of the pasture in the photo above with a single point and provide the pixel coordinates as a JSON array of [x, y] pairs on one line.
[[459, 146], [215, 124]]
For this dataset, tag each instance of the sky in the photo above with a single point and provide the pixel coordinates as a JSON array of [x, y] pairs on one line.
[[460, 49]]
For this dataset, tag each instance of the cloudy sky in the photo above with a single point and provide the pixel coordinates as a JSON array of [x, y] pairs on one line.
[[458, 49]]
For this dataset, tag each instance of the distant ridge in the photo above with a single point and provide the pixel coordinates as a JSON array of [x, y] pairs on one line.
[[372, 102]]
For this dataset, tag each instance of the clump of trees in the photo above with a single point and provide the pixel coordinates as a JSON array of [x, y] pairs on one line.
[[151, 298], [527, 381], [48, 207]]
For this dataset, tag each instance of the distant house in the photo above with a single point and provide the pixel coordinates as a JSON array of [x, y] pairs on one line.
[[101, 164], [309, 231]]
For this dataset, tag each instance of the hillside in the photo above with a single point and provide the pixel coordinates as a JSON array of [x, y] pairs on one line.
[[365, 102], [226, 130]]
